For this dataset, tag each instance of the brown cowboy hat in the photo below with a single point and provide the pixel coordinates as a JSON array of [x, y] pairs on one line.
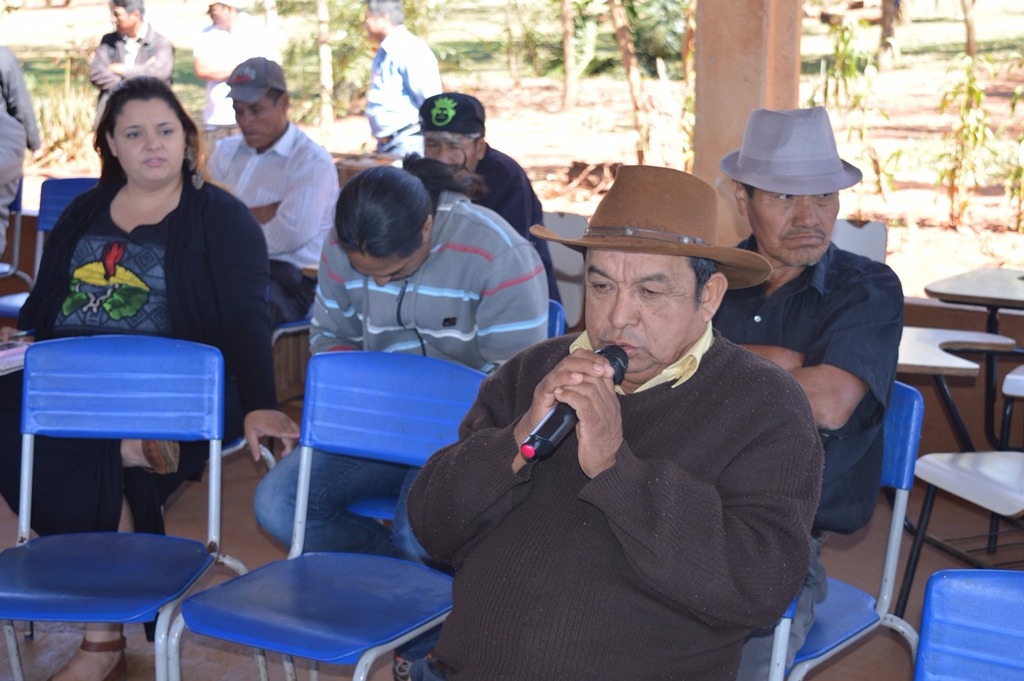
[[664, 212]]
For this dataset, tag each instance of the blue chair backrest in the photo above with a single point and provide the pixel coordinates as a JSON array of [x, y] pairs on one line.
[[972, 626], [54, 196], [556, 319], [123, 387], [903, 418], [388, 406]]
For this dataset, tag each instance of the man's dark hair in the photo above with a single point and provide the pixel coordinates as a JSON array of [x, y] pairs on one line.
[[392, 9], [750, 190], [381, 211], [702, 270], [130, 6]]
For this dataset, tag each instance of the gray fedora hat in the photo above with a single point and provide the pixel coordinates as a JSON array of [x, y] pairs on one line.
[[790, 152]]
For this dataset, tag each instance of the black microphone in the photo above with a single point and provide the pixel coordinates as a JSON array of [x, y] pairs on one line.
[[561, 420]]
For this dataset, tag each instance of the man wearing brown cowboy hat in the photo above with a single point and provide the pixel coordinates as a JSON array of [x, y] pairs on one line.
[[674, 518], [831, 318]]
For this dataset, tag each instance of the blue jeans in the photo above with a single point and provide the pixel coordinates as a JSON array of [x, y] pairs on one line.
[[336, 481]]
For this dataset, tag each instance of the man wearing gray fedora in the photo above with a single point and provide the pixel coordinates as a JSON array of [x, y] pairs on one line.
[[831, 318], [673, 517]]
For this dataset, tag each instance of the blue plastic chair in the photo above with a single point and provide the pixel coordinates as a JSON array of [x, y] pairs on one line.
[[345, 608], [112, 387], [383, 508], [556, 319], [972, 626], [54, 196], [848, 614]]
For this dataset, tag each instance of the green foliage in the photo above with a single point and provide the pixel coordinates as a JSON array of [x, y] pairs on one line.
[[351, 49], [842, 72], [525, 44], [847, 87], [969, 143], [1014, 182], [658, 27], [66, 110], [65, 119]]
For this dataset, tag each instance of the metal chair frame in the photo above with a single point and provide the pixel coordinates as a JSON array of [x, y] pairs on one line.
[[848, 614], [129, 387], [386, 406]]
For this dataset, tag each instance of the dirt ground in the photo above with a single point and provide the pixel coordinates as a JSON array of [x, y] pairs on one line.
[[526, 121]]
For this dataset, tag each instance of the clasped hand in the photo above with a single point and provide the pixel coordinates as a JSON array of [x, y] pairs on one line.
[[583, 380]]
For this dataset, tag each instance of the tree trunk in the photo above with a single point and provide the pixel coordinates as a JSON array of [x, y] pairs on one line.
[[888, 52], [323, 41], [624, 38], [971, 44], [568, 56], [270, 17], [689, 42]]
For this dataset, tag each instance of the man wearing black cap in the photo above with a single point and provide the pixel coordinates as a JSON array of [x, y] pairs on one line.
[[287, 180], [453, 131]]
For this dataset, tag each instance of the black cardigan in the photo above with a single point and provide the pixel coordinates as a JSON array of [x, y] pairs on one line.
[[217, 278]]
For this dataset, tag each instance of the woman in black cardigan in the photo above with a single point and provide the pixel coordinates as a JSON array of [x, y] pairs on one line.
[[154, 249]]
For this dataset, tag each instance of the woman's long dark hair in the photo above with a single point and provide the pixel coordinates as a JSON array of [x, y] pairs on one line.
[[381, 210], [145, 88]]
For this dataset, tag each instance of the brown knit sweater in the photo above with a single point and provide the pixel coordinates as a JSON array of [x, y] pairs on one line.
[[655, 569]]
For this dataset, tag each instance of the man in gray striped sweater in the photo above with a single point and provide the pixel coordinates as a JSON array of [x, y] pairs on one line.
[[412, 265]]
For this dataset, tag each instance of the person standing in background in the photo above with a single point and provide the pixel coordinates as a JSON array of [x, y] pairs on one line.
[[18, 131], [133, 49], [403, 74], [231, 38]]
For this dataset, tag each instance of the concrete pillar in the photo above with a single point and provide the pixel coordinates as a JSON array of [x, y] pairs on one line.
[[748, 57]]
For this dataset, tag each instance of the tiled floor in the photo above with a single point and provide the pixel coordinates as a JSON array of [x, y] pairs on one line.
[[882, 657]]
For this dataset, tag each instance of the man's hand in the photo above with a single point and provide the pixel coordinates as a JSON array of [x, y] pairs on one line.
[[269, 423], [583, 380], [265, 214]]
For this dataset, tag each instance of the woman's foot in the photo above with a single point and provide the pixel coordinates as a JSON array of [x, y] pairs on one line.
[[96, 661]]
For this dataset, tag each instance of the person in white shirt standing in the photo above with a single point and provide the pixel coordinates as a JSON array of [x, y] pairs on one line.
[[233, 37], [287, 180], [404, 74]]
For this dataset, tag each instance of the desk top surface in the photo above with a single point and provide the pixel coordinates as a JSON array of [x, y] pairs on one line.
[[924, 350], [989, 287]]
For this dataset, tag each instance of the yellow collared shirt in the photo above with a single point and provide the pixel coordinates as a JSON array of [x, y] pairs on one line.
[[679, 371]]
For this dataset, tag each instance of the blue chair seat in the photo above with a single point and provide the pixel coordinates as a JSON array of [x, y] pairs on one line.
[[329, 607], [851, 611], [379, 508], [10, 305], [42, 577]]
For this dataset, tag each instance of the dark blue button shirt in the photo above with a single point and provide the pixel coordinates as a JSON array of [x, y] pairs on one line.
[[511, 196], [845, 311]]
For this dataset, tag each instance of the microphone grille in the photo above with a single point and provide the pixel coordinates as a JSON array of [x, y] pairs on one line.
[[617, 357]]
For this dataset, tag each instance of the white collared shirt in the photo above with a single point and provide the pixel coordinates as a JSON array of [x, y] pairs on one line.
[[295, 171]]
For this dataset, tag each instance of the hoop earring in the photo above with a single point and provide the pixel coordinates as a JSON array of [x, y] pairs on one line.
[[190, 160]]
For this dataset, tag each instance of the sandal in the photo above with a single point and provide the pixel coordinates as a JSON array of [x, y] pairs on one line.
[[162, 455], [120, 670]]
